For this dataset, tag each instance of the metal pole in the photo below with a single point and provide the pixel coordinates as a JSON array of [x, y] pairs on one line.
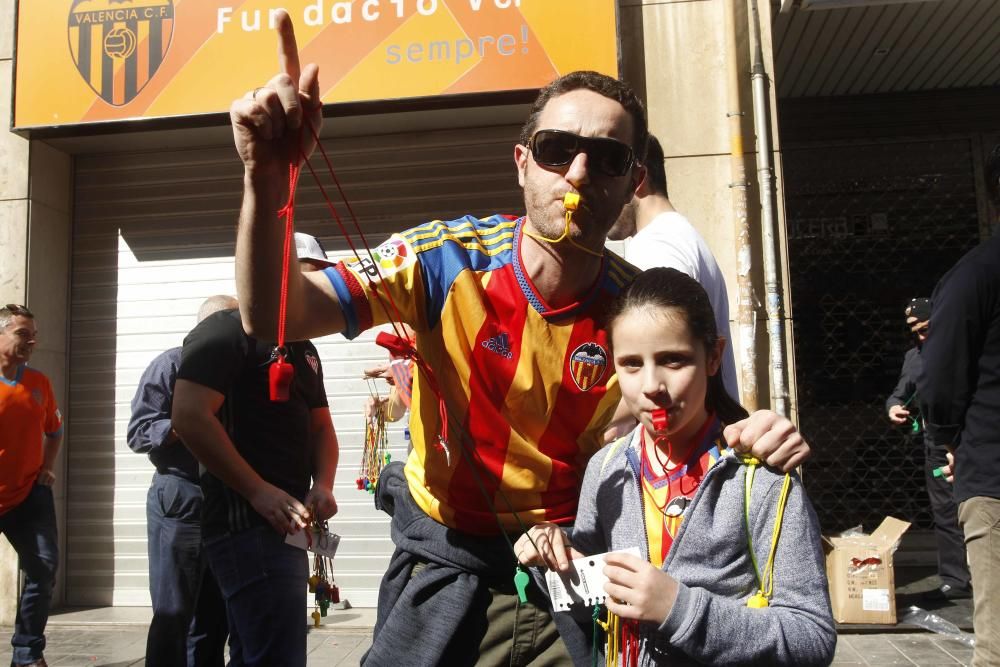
[[765, 178], [745, 347]]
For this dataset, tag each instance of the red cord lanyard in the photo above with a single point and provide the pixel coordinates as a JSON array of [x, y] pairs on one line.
[[281, 372]]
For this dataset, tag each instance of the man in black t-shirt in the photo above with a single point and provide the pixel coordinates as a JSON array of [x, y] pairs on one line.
[[189, 621], [269, 471]]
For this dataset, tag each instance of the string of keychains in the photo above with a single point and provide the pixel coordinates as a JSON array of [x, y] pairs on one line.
[[281, 372], [375, 453], [622, 637], [323, 587]]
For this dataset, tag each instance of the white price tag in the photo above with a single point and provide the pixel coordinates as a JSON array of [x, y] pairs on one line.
[[875, 599], [582, 584], [322, 542]]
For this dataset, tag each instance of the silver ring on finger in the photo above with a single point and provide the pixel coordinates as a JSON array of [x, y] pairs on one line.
[[253, 95]]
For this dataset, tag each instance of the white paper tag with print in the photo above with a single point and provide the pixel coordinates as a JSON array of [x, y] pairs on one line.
[[875, 599], [582, 584], [323, 542]]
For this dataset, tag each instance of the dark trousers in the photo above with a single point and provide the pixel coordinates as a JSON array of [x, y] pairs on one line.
[[953, 564], [31, 529], [263, 581], [189, 615]]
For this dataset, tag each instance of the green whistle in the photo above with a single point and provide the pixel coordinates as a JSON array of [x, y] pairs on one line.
[[521, 581]]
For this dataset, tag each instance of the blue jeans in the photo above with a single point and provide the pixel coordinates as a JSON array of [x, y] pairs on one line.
[[31, 529], [263, 581], [189, 619]]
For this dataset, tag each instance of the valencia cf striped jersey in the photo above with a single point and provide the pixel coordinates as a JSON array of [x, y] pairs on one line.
[[666, 497], [529, 389]]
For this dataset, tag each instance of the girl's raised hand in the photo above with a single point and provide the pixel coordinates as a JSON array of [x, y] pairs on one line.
[[548, 546], [636, 589]]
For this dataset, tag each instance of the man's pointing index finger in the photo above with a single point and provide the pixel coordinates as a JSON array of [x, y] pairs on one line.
[[288, 50]]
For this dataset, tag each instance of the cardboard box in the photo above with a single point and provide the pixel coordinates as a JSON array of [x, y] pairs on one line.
[[862, 582]]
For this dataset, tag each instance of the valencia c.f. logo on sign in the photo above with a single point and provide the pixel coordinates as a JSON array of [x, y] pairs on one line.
[[118, 45]]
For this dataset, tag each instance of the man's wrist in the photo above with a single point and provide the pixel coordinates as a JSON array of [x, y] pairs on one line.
[[269, 181], [323, 483], [252, 489]]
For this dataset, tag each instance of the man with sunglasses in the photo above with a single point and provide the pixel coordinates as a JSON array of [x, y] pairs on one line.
[[508, 317], [30, 435], [902, 407]]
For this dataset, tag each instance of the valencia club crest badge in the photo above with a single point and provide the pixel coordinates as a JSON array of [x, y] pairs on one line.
[[587, 365], [118, 45]]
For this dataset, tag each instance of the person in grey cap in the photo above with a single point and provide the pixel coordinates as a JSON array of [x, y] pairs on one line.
[[902, 406], [265, 459]]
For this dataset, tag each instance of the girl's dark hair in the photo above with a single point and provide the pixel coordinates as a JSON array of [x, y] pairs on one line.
[[669, 288]]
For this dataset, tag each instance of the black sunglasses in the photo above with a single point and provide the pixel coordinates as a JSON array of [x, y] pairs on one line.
[[556, 148]]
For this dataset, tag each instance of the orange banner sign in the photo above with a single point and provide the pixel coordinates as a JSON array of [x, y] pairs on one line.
[[88, 61]]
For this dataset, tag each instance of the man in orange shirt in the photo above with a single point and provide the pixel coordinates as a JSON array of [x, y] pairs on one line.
[[32, 432]]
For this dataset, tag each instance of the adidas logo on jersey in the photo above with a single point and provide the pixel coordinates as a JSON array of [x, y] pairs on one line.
[[499, 344]]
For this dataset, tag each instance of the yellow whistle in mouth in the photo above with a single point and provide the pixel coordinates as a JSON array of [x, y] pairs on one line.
[[571, 201]]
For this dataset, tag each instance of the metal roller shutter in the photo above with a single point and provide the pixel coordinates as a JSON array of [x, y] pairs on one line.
[[154, 235]]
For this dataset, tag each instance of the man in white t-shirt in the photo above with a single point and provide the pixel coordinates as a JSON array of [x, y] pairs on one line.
[[663, 237]]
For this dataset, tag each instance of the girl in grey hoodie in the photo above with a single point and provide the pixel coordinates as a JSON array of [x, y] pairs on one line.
[[720, 580]]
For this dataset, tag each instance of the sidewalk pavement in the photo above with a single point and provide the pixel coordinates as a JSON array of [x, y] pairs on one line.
[[116, 637]]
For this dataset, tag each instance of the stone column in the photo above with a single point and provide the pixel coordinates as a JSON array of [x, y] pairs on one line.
[[35, 234], [14, 241], [674, 51]]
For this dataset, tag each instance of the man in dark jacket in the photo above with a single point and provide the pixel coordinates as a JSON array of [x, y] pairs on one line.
[[901, 405], [960, 399]]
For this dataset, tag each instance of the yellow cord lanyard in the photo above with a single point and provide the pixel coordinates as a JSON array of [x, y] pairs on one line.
[[765, 582], [571, 201]]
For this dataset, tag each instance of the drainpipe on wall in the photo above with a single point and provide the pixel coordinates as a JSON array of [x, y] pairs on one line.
[[745, 348], [765, 178]]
